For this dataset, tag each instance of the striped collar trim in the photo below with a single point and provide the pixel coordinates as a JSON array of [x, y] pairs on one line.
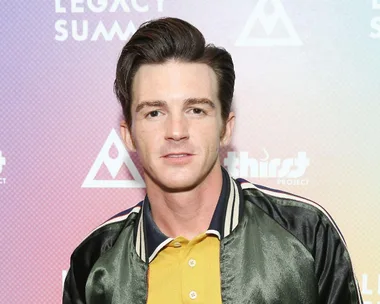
[[150, 240]]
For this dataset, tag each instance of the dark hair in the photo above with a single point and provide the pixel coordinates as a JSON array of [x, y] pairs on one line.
[[160, 40]]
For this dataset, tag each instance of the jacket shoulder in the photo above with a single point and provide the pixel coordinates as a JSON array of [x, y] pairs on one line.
[[99, 241], [106, 233], [294, 213]]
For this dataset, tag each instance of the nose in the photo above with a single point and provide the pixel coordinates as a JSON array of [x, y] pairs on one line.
[[177, 128]]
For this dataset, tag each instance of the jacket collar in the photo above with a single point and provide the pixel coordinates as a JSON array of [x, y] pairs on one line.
[[150, 240]]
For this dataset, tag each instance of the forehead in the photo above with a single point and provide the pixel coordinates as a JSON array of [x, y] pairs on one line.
[[173, 81]]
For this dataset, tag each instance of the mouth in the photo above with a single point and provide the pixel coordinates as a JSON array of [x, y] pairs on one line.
[[178, 158], [177, 155]]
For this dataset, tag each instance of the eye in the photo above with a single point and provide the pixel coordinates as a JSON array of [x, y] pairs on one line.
[[153, 114], [197, 111]]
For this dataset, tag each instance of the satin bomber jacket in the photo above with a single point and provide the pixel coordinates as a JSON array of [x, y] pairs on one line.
[[274, 248]]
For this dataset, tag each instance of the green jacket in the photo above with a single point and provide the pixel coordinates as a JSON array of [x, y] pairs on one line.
[[274, 248]]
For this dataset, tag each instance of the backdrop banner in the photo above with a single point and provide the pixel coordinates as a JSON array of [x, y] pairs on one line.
[[307, 104]]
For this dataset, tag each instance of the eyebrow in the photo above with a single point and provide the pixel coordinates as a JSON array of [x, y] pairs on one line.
[[161, 103], [196, 101], [154, 103]]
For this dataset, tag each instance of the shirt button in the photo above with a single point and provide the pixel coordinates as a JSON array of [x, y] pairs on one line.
[[192, 262], [193, 295], [177, 244]]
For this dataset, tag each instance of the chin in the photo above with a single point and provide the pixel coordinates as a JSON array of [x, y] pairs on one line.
[[178, 184], [174, 181]]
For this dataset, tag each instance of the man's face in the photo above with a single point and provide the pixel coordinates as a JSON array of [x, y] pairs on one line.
[[176, 124]]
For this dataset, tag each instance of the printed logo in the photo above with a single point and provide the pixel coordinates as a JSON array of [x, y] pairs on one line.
[[113, 165], [261, 26], [3, 162], [87, 27], [369, 285], [375, 21], [288, 171]]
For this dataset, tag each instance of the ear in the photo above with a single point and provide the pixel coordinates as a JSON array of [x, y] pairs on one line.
[[228, 129], [127, 136]]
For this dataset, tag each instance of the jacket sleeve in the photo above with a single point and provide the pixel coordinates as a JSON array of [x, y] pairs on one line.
[[73, 290], [82, 260], [333, 268]]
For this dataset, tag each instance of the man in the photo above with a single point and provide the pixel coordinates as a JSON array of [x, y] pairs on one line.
[[200, 236]]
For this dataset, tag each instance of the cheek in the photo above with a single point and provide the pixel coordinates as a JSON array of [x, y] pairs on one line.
[[145, 140], [209, 135]]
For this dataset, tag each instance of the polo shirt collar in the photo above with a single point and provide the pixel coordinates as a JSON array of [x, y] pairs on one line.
[[150, 240]]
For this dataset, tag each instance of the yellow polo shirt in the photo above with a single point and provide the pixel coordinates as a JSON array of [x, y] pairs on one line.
[[186, 272]]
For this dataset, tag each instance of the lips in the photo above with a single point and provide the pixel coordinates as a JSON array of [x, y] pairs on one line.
[[177, 155]]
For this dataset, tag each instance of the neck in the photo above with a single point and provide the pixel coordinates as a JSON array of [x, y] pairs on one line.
[[186, 213]]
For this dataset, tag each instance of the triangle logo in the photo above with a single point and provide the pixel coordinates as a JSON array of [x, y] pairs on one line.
[[113, 165], [269, 22]]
